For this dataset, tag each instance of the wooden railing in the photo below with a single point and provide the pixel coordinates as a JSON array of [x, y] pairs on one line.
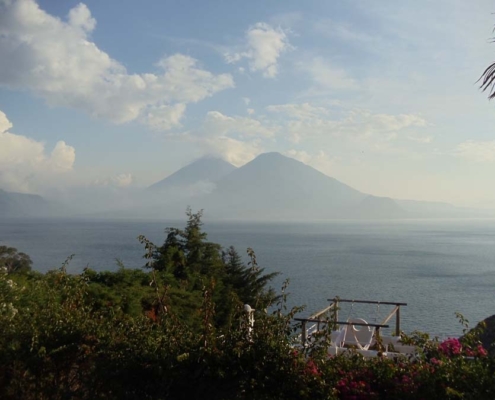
[[317, 319], [330, 314], [395, 311]]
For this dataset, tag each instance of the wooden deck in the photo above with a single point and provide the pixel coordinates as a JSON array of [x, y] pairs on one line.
[[330, 315]]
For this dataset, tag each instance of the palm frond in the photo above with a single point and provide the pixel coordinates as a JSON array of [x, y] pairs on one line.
[[488, 81]]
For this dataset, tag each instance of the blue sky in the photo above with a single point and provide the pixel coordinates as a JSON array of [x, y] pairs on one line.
[[116, 95]]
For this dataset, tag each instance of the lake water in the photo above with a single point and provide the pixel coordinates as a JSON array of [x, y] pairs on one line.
[[437, 267]]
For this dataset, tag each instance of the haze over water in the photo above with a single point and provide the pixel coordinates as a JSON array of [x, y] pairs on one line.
[[438, 267]]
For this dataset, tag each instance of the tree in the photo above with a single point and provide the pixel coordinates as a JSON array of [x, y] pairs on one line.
[[14, 261], [187, 254], [249, 284], [187, 263]]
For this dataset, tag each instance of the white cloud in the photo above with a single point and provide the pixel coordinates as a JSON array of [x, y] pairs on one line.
[[58, 61], [250, 111], [299, 111], [421, 139], [24, 164], [236, 152], [5, 124], [123, 180], [120, 181], [328, 76], [239, 139], [80, 17], [476, 151], [222, 125], [305, 120], [164, 118], [233, 138], [264, 45], [387, 123], [182, 81], [62, 157], [299, 155], [320, 161]]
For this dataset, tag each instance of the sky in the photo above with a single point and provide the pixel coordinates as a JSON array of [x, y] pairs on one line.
[[116, 95]]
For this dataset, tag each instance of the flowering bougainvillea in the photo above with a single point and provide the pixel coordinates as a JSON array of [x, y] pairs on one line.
[[451, 347]]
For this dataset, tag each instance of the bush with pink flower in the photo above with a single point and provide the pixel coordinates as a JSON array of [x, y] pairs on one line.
[[450, 347]]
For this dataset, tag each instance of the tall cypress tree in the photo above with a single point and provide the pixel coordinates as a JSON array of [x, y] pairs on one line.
[[194, 263]]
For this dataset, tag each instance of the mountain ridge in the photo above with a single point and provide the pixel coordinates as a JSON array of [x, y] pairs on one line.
[[279, 187], [273, 186], [270, 187], [15, 205], [208, 169]]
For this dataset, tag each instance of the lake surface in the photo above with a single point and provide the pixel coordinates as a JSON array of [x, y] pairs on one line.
[[437, 267]]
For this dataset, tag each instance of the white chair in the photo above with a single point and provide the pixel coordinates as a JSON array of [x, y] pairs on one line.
[[337, 341], [337, 337], [360, 336]]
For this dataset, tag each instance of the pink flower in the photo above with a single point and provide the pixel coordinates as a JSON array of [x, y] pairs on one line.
[[481, 351], [342, 383], [311, 368], [450, 347]]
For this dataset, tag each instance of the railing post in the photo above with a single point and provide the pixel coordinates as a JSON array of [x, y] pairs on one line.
[[397, 322], [303, 335], [250, 318], [335, 312]]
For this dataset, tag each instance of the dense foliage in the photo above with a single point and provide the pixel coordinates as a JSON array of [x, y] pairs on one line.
[[187, 263], [166, 333], [14, 261]]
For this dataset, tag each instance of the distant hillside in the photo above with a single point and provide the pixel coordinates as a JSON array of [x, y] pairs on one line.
[[434, 209], [276, 187], [202, 170], [273, 186], [14, 205], [269, 188], [379, 207], [428, 208]]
